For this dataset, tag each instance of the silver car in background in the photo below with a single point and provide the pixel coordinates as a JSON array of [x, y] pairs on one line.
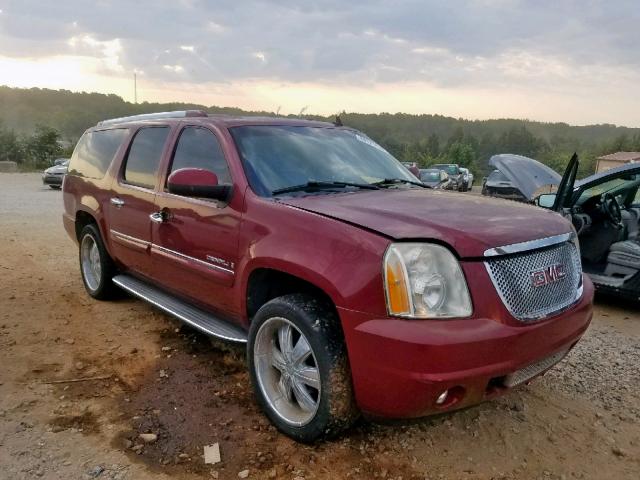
[[53, 176], [467, 179]]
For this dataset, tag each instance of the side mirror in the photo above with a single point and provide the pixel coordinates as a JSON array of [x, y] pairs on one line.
[[197, 182], [546, 200]]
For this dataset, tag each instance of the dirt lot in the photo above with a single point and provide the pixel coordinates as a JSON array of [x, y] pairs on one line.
[[582, 420]]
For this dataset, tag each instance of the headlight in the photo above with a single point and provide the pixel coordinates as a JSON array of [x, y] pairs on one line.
[[424, 280], [576, 241]]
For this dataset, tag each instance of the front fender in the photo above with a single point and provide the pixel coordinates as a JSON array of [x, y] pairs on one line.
[[343, 260]]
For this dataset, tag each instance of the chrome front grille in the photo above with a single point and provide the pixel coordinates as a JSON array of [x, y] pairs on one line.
[[537, 283]]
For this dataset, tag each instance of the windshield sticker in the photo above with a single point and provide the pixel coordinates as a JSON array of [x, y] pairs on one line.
[[370, 142]]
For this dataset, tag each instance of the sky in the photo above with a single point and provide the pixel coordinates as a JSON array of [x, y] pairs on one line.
[[571, 61]]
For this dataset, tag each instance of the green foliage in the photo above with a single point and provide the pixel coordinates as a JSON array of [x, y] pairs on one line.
[[426, 139], [42, 147], [10, 146], [31, 152], [461, 153]]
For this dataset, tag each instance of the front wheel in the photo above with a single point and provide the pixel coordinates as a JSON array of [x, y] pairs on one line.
[[96, 265], [299, 368]]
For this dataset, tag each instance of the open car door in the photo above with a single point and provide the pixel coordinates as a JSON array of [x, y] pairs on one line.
[[564, 194]]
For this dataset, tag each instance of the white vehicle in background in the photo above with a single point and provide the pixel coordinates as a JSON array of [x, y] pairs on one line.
[[467, 179]]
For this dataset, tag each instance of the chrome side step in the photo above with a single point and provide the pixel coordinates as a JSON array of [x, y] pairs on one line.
[[194, 316]]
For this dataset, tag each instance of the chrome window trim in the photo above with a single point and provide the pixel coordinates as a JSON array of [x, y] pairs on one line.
[[196, 200], [528, 245]]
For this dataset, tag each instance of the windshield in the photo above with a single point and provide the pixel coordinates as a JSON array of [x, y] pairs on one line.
[[450, 169], [610, 186], [497, 176], [430, 176], [277, 157]]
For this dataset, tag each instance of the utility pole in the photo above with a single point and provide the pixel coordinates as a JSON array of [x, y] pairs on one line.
[[135, 88]]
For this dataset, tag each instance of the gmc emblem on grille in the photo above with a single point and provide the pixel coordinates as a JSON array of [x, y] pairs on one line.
[[548, 275]]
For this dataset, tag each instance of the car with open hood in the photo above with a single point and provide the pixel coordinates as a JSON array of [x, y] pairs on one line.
[[354, 287], [604, 209], [515, 177]]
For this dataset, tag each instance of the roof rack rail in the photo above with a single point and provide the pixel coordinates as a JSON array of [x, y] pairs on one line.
[[155, 116]]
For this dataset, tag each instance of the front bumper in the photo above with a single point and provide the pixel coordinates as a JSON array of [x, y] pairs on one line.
[[400, 367], [52, 179]]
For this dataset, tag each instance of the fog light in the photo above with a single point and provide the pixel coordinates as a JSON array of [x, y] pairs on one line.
[[442, 398]]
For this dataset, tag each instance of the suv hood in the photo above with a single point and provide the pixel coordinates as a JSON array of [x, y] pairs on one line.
[[529, 176], [469, 224]]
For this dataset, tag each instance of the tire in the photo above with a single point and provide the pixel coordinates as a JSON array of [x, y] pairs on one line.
[[97, 280], [55, 187], [330, 408]]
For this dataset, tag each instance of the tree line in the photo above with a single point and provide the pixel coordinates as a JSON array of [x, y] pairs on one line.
[[36, 125], [35, 151]]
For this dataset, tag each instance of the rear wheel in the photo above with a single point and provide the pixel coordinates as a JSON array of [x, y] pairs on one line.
[[96, 266], [299, 368]]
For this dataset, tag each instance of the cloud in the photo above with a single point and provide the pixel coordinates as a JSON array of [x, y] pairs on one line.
[[303, 40], [174, 68], [107, 51], [543, 46]]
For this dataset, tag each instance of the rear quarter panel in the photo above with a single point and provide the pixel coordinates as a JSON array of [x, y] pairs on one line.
[[91, 195]]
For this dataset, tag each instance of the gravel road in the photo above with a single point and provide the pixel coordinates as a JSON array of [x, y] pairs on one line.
[[141, 372]]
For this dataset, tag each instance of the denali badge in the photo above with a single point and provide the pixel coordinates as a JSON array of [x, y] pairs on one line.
[[548, 275]]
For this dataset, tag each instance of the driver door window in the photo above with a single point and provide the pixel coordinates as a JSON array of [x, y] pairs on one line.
[[199, 148]]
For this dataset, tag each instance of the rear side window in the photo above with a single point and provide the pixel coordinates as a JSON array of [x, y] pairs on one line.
[[144, 156], [199, 148], [95, 151]]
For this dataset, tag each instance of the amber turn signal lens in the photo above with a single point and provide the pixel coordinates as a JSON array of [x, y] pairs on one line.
[[397, 292]]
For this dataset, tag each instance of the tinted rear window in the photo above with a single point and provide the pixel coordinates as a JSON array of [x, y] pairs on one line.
[[144, 156], [95, 151]]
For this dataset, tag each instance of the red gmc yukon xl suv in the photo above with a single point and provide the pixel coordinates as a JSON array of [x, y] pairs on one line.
[[355, 287]]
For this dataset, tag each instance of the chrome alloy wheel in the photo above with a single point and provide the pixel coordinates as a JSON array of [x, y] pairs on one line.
[[90, 259], [287, 371]]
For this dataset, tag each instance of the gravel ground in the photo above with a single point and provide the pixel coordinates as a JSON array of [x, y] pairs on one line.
[[151, 375], [604, 368]]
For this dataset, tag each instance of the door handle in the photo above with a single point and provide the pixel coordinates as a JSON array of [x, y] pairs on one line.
[[160, 217], [117, 202], [157, 217]]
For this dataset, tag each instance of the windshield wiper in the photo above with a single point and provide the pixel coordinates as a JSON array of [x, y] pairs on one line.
[[395, 181], [315, 185]]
